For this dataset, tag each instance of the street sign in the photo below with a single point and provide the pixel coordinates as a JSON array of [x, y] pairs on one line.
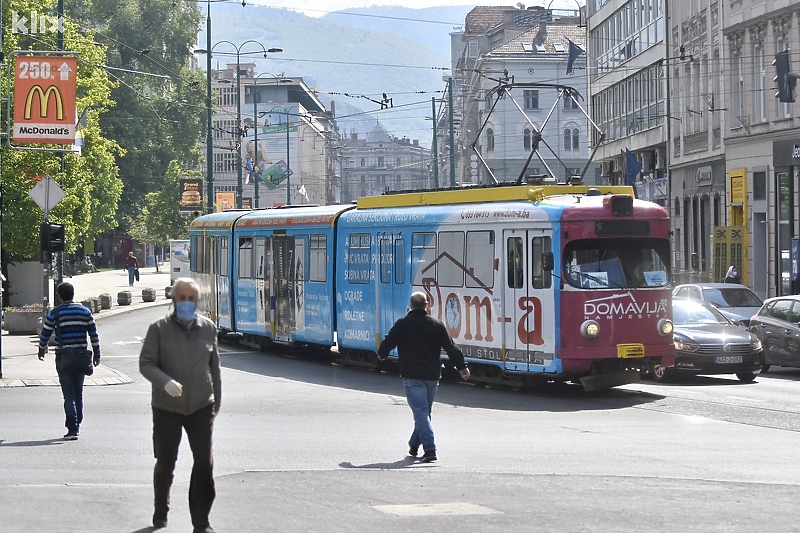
[[44, 99], [47, 194]]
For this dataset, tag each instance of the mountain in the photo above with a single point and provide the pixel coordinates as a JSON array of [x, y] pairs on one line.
[[350, 59]]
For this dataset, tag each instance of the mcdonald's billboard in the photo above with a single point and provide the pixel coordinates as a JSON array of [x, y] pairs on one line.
[[44, 99]]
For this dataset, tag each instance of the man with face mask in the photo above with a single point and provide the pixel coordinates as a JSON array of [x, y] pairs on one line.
[[181, 359]]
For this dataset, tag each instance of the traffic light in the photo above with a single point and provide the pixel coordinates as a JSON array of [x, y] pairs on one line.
[[784, 78], [51, 237]]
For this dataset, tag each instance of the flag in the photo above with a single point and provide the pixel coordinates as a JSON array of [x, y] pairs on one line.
[[632, 168], [79, 127], [574, 52], [302, 192]]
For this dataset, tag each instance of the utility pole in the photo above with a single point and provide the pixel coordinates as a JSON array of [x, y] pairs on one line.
[[434, 145], [452, 135], [209, 117]]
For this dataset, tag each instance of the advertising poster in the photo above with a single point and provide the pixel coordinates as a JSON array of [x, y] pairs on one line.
[[275, 158], [191, 195], [226, 201]]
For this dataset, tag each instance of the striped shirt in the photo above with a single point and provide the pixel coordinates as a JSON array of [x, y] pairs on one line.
[[75, 321]]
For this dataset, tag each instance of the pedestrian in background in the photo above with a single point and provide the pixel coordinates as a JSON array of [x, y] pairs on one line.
[[181, 359], [131, 264], [419, 339], [732, 276], [72, 323]]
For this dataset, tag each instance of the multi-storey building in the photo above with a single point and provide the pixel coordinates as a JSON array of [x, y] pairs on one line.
[[283, 125], [380, 163], [528, 51]]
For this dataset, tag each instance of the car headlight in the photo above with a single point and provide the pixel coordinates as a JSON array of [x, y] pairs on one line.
[[755, 344], [590, 329], [686, 346], [665, 327]]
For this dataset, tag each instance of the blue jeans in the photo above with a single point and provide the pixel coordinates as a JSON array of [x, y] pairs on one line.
[[420, 394], [72, 389], [131, 274]]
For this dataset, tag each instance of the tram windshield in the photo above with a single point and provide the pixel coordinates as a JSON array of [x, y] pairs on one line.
[[629, 264]]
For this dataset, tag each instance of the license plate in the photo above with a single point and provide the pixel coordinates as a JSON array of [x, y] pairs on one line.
[[630, 351], [729, 359]]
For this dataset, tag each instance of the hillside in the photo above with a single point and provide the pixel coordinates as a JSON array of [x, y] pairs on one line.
[[351, 59]]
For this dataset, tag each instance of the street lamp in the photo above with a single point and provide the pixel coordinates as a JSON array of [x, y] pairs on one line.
[[255, 125], [209, 52]]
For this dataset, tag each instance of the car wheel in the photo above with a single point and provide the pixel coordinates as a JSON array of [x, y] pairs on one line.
[[764, 369], [746, 377], [660, 374]]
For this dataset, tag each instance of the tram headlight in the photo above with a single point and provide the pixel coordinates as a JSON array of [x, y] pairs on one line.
[[590, 329], [665, 327]]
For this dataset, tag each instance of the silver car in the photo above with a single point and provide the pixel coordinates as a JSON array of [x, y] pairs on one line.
[[737, 302]]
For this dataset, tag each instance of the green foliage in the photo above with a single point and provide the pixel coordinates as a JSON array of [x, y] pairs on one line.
[[90, 182], [161, 219]]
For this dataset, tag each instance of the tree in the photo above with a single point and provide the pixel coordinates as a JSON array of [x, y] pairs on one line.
[[158, 118], [90, 181]]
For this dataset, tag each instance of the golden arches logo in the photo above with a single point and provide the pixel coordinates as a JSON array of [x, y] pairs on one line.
[[44, 101]]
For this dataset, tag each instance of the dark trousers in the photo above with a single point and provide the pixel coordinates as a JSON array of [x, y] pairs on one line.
[[167, 430], [72, 389]]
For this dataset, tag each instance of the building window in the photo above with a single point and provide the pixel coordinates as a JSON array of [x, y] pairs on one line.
[[363, 178], [381, 162], [759, 185], [526, 139], [490, 140], [569, 103], [363, 161], [576, 134], [531, 99], [397, 162]]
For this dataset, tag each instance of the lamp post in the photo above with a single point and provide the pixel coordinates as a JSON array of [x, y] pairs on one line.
[[209, 52], [255, 126]]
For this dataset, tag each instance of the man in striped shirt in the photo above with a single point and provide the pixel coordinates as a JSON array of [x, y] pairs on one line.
[[72, 323]]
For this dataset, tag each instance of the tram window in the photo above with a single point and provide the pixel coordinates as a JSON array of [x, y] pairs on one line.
[[632, 263], [514, 262], [193, 257], [260, 252], [359, 258], [423, 247], [540, 278], [451, 256], [245, 257], [224, 256], [399, 261], [480, 259], [385, 258], [319, 258]]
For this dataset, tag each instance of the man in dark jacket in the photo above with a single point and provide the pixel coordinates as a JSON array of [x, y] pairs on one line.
[[72, 323], [419, 339], [180, 358]]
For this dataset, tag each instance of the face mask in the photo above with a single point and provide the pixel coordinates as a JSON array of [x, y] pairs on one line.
[[186, 310]]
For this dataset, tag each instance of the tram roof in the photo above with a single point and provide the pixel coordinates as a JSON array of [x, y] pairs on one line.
[[323, 215], [533, 193], [225, 219]]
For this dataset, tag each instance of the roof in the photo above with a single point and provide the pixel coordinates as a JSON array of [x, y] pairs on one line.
[[483, 18], [547, 35]]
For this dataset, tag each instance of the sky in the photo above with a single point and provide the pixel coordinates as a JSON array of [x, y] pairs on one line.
[[315, 8]]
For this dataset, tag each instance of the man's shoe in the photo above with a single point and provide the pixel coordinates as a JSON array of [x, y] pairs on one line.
[[71, 435], [428, 457], [413, 451], [207, 529], [158, 523]]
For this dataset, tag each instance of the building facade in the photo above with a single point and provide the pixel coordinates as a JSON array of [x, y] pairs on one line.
[[380, 162]]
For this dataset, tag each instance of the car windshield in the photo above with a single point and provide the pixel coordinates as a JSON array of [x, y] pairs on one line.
[[606, 264], [732, 297], [693, 313]]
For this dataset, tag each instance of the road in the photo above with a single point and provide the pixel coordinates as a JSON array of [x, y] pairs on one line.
[[305, 445]]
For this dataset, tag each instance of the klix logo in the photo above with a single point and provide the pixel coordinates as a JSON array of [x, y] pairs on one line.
[[37, 23]]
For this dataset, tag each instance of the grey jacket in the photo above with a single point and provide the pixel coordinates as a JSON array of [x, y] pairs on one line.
[[189, 356]]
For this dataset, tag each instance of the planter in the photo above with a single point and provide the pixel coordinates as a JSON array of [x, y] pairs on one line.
[[124, 298], [22, 322], [88, 304], [105, 301], [96, 305], [148, 295], [168, 292]]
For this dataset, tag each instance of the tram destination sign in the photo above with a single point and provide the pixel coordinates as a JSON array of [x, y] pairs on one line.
[[44, 99]]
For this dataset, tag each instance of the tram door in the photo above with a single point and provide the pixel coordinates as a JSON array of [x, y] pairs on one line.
[[283, 283], [390, 278], [527, 291]]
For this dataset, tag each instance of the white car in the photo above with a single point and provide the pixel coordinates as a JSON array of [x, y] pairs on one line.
[[737, 302]]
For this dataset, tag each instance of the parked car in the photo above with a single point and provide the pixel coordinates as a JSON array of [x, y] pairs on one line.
[[737, 302], [777, 324], [706, 342]]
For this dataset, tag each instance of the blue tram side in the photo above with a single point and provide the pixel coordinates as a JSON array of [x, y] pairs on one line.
[[210, 263], [284, 271]]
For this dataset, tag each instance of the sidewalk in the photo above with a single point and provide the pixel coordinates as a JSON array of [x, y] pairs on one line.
[[20, 364]]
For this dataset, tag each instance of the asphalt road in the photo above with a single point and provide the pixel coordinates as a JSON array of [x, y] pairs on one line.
[[305, 445]]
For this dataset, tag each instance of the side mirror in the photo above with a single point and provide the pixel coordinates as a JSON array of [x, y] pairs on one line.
[[547, 261]]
